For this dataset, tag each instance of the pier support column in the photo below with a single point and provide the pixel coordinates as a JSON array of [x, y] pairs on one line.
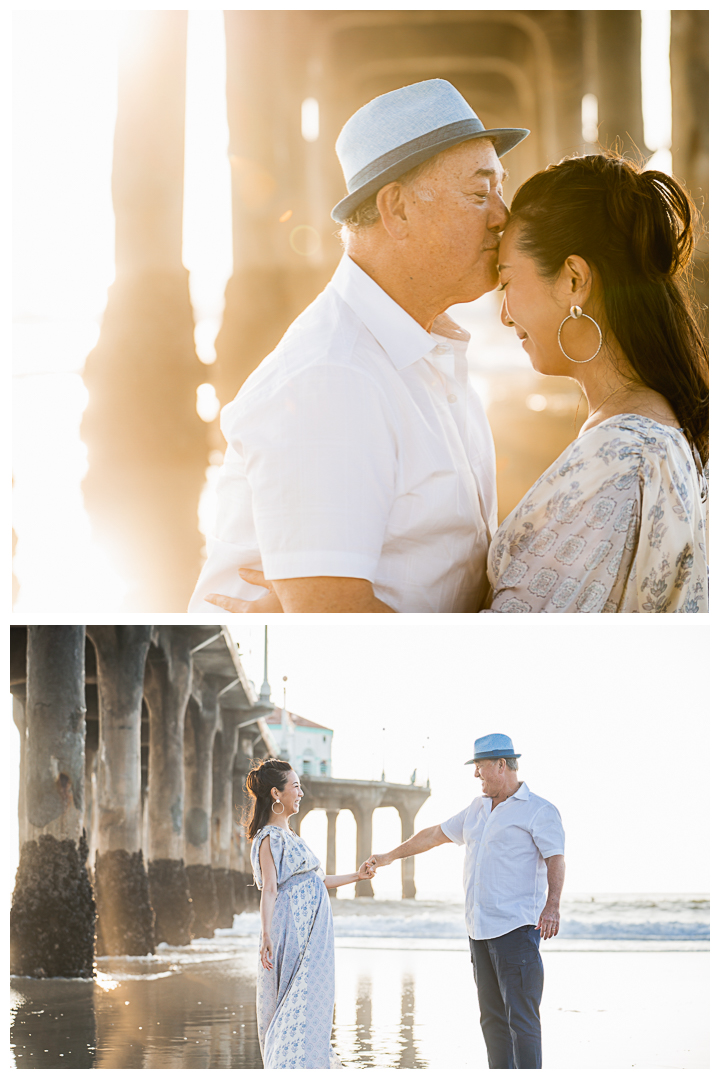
[[168, 681], [223, 766], [201, 724], [363, 812], [91, 793], [147, 446], [689, 53], [125, 917], [330, 862], [243, 763], [241, 894], [21, 725], [52, 921], [407, 866], [618, 75]]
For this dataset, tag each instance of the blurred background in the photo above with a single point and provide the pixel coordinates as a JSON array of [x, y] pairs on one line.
[[174, 173]]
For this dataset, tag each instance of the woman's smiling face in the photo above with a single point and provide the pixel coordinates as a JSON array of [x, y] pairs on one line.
[[534, 306]]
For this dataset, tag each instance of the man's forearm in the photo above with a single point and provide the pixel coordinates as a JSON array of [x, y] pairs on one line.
[[328, 594], [422, 841], [556, 877]]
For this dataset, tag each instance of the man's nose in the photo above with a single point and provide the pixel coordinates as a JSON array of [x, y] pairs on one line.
[[500, 216]]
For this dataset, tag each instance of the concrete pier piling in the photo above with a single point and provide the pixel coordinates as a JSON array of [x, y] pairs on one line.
[[226, 743], [168, 682], [52, 921], [135, 742], [200, 726], [125, 916]]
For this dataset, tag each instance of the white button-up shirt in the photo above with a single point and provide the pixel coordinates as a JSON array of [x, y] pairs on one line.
[[358, 449], [505, 875]]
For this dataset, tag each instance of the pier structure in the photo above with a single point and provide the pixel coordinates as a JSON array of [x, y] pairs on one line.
[[135, 742], [362, 797], [308, 747]]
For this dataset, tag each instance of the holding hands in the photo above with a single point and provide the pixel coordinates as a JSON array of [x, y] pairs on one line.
[[366, 871]]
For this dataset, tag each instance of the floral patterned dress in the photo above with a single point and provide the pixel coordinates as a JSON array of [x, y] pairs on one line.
[[295, 1000], [616, 524]]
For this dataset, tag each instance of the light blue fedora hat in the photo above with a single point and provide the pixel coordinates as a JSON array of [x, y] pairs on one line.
[[397, 131], [493, 746]]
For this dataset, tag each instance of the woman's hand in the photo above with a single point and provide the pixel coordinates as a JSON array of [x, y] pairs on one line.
[[269, 602], [366, 871], [266, 951]]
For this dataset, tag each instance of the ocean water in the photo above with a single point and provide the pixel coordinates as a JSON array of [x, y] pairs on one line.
[[610, 920]]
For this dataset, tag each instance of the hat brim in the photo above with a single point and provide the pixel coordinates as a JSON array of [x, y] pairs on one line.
[[504, 139], [492, 756]]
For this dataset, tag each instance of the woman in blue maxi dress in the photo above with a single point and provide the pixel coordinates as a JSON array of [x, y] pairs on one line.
[[296, 969]]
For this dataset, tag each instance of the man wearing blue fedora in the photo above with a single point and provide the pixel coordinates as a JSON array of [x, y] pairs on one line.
[[514, 854], [360, 470]]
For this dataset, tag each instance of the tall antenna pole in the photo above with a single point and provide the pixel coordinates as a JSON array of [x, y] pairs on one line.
[[265, 688]]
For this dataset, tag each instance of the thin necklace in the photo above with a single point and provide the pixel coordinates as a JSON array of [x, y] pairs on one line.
[[624, 386]]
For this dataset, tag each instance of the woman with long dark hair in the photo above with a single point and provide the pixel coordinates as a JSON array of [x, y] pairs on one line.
[[296, 971], [593, 266]]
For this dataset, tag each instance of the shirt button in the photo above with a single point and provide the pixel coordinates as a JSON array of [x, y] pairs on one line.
[[451, 398]]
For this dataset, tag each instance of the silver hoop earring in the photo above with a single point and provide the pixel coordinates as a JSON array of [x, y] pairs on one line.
[[277, 803], [578, 313]]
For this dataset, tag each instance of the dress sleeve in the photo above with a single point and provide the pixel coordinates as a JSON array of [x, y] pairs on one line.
[[321, 454], [276, 850], [570, 542]]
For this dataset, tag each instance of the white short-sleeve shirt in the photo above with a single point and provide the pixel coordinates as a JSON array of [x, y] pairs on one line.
[[358, 449], [505, 876]]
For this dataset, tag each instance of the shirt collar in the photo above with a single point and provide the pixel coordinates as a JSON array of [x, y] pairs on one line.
[[523, 792], [402, 338]]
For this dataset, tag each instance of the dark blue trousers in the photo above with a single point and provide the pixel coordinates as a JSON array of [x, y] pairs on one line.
[[509, 978]]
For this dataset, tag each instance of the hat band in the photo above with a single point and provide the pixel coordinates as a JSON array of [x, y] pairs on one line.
[[460, 129], [491, 755]]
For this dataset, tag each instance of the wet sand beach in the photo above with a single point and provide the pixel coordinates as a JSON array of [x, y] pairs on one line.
[[400, 1003]]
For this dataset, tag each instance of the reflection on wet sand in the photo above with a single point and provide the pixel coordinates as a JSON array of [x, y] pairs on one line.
[[409, 1057], [149, 1015], [53, 1023], [202, 1018], [383, 1037]]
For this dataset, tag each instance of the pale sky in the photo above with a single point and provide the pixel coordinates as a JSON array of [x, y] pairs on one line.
[[612, 728]]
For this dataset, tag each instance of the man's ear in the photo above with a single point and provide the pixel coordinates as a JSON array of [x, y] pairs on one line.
[[391, 205]]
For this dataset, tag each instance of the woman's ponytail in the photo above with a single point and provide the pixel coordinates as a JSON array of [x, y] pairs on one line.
[[259, 784]]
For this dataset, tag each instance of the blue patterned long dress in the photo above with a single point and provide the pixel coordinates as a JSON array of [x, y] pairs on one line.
[[616, 524], [295, 1000]]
